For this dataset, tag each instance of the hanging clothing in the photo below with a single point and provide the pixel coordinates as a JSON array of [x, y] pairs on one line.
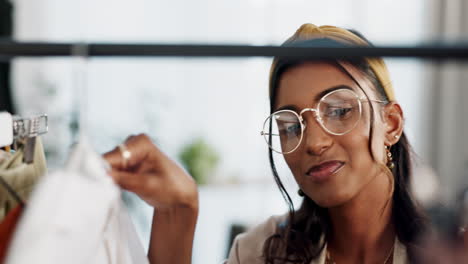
[[76, 215], [21, 177], [7, 229], [4, 156]]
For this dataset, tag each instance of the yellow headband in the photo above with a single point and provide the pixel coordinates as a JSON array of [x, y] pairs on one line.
[[377, 65]]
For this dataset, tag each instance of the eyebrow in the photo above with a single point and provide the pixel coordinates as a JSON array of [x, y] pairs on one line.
[[317, 97]]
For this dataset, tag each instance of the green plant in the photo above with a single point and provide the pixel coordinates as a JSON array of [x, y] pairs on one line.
[[199, 159]]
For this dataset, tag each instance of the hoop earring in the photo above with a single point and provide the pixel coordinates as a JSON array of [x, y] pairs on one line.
[[301, 193], [390, 163]]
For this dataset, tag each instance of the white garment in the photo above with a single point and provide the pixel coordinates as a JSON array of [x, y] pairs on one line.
[[75, 215]]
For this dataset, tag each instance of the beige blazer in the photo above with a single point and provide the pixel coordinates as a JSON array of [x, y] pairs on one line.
[[20, 176], [248, 247]]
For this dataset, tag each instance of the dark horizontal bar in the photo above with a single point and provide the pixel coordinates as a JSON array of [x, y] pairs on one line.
[[10, 50]]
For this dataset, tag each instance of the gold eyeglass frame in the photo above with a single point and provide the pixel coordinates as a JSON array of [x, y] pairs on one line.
[[317, 117]]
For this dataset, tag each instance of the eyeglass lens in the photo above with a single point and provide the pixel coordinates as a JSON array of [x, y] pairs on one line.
[[338, 113]]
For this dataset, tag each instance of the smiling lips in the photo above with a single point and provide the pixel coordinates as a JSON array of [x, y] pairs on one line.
[[323, 171]]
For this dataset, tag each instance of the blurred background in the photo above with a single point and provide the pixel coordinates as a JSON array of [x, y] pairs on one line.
[[207, 113]]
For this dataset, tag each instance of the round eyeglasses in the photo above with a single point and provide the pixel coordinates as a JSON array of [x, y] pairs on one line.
[[337, 112]]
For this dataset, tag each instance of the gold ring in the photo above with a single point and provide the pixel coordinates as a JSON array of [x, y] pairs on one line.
[[126, 154]]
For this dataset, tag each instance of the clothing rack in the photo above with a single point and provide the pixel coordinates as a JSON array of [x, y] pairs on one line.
[[15, 127], [12, 49], [30, 127]]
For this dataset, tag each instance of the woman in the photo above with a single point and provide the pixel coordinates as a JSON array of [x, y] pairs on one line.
[[340, 131]]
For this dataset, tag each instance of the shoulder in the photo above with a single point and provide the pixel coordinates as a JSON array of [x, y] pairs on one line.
[[248, 247]]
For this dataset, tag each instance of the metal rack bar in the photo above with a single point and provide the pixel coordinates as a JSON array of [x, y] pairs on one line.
[[9, 50]]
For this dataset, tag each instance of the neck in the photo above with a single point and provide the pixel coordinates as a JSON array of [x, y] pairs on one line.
[[362, 229]]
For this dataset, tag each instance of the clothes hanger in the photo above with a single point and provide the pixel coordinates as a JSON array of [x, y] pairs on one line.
[[81, 52], [28, 129], [14, 128]]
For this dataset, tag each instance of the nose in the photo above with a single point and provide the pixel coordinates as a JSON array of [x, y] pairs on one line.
[[316, 140]]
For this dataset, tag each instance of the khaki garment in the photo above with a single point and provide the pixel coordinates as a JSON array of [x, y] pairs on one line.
[[248, 247], [20, 176]]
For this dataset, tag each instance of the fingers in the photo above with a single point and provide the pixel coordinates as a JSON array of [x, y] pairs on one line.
[[114, 158], [152, 175], [139, 146], [126, 180], [140, 184]]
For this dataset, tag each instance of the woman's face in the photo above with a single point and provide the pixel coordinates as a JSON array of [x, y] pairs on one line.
[[330, 169]]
